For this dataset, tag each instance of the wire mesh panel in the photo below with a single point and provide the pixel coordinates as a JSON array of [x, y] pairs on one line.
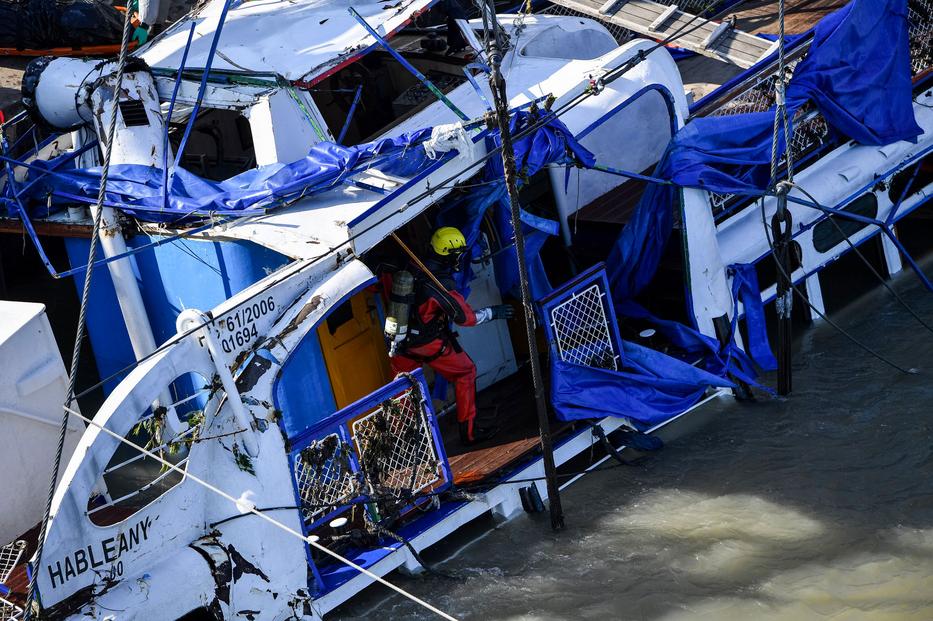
[[581, 324], [369, 464], [9, 557], [582, 332], [620, 34], [10, 611], [920, 16], [395, 445], [380, 451], [324, 476]]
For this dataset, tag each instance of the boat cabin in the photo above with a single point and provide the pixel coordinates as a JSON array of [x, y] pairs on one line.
[[283, 448]]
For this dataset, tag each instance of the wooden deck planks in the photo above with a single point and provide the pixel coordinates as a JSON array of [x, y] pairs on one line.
[[799, 15], [477, 465], [737, 47], [50, 228]]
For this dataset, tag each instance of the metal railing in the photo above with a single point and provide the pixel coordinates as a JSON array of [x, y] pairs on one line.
[[324, 476], [10, 555], [580, 322], [811, 131], [920, 16], [381, 451]]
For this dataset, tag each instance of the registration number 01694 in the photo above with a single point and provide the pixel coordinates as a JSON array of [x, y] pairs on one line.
[[237, 329]]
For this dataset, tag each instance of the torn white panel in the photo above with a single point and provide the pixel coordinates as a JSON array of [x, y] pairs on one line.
[[298, 40]]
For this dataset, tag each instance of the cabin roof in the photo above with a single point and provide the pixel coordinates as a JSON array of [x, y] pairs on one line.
[[303, 40], [313, 226]]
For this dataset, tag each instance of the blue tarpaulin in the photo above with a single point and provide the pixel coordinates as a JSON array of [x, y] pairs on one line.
[[654, 388], [857, 73], [137, 190], [552, 143]]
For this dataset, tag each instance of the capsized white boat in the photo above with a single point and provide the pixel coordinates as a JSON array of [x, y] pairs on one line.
[[280, 397]]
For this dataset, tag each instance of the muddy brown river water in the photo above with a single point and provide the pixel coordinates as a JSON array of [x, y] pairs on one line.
[[817, 507]]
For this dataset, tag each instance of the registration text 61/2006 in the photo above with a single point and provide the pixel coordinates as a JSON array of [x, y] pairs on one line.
[[238, 328]]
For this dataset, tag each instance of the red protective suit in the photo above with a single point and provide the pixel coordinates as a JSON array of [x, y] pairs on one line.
[[443, 354]]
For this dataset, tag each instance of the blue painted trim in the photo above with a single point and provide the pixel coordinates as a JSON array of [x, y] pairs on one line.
[[296, 439], [168, 116], [594, 275]]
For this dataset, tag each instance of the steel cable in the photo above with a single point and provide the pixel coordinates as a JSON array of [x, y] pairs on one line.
[[82, 311]]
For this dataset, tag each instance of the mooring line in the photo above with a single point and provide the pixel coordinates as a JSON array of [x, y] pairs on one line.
[[251, 509], [82, 310]]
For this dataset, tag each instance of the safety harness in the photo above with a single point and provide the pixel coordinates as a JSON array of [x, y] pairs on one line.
[[422, 332]]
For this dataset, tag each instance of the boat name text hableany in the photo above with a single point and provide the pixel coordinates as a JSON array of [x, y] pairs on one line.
[[95, 556]]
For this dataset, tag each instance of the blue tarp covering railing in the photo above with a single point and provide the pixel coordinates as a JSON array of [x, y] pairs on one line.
[[857, 73], [139, 190], [594, 373]]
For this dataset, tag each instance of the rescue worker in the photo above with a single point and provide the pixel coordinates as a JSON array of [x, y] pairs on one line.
[[430, 339]]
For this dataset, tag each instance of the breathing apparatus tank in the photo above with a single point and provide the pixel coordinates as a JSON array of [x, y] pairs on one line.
[[400, 300]]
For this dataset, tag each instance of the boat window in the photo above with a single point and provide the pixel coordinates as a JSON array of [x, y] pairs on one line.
[[131, 480], [833, 230], [388, 93], [913, 179], [644, 123], [220, 145], [584, 43], [339, 316]]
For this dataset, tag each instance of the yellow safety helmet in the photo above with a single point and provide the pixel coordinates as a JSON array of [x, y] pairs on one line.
[[448, 240]]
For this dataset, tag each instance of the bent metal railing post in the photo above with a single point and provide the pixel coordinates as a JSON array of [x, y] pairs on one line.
[[382, 454]]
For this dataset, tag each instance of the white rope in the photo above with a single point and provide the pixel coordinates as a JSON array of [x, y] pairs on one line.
[[246, 507]]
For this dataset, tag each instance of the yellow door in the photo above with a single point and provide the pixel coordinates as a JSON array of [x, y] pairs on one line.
[[354, 349]]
